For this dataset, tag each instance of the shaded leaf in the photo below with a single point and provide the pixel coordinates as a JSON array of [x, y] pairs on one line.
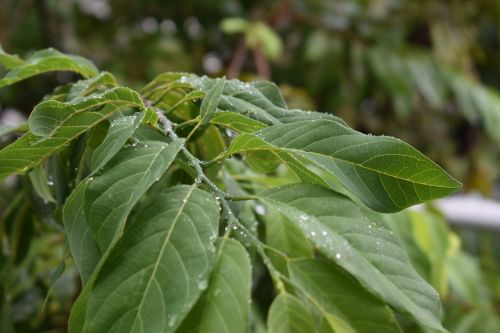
[[225, 305], [288, 315], [82, 245], [338, 293]]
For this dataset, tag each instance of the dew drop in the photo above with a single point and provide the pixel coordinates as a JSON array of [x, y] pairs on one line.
[[313, 233], [338, 256], [172, 321], [202, 285], [260, 209]]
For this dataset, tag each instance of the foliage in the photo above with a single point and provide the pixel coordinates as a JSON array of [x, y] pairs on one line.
[[164, 199]]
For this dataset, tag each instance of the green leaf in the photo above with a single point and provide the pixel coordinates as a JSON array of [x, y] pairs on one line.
[[236, 122], [341, 231], [246, 99], [110, 197], [288, 315], [9, 60], [119, 132], [48, 60], [211, 100], [385, 173], [83, 88], [338, 293], [157, 271], [225, 305], [49, 115], [61, 126], [82, 245]]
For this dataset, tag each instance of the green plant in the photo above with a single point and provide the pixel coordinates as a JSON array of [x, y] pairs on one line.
[[171, 198]]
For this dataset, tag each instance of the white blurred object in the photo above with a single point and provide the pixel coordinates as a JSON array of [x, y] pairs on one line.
[[471, 210], [11, 118]]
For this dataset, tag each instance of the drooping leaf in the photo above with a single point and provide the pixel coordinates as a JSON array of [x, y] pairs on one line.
[[225, 305], [338, 293], [211, 100], [119, 132], [110, 197], [365, 249], [83, 247], [288, 315], [157, 271], [385, 173], [61, 126], [48, 60], [9, 60]]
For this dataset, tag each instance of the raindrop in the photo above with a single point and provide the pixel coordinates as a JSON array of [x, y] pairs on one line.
[[172, 321], [260, 209], [202, 285], [324, 233], [338, 256], [50, 182]]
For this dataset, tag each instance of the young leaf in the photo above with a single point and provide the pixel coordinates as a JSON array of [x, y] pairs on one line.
[[82, 245], [339, 294], [288, 315], [211, 101], [157, 271], [119, 132], [385, 173], [62, 126], [48, 60], [110, 197], [340, 230], [225, 305]]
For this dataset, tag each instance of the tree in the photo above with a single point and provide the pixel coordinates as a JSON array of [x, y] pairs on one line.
[[171, 197]]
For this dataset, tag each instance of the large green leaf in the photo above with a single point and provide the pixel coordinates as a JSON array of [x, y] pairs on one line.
[[157, 271], [368, 251], [338, 293], [82, 245], [288, 315], [48, 60], [110, 197], [60, 123], [385, 173], [225, 305]]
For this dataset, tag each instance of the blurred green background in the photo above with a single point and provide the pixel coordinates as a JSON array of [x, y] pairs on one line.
[[425, 71]]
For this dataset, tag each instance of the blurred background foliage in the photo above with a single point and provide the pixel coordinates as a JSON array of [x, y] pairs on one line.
[[424, 71]]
